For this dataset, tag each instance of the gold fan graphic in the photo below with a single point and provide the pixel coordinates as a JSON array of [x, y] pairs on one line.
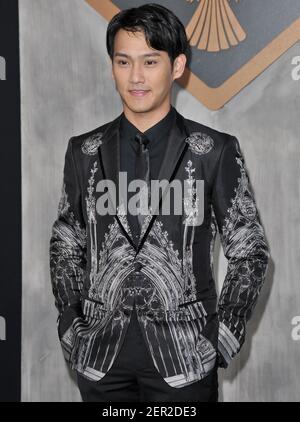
[[214, 26]]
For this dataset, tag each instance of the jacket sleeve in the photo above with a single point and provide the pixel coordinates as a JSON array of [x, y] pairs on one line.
[[68, 248], [244, 246]]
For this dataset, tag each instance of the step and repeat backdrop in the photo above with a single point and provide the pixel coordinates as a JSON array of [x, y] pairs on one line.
[[55, 82]]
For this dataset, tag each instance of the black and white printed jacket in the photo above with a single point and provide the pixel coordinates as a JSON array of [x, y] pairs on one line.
[[98, 270]]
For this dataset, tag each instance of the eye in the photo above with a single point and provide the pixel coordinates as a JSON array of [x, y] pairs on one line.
[[121, 62], [151, 61]]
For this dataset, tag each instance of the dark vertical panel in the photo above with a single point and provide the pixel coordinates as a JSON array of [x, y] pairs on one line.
[[10, 210]]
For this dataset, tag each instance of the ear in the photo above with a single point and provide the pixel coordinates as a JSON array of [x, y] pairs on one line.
[[179, 66]]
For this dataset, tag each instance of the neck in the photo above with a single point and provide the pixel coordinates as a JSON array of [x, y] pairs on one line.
[[144, 121]]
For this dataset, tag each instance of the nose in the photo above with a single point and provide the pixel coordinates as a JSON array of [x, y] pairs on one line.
[[137, 74]]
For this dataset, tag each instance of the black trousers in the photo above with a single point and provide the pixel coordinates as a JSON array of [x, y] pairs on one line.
[[134, 378]]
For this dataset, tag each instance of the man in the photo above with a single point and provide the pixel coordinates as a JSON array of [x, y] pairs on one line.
[[138, 313]]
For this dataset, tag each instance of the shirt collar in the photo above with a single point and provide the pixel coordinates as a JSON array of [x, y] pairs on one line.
[[154, 133]]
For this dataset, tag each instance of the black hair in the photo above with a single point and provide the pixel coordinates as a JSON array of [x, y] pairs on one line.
[[162, 29]]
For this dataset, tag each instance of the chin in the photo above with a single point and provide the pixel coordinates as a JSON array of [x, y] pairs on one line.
[[139, 108], [142, 109]]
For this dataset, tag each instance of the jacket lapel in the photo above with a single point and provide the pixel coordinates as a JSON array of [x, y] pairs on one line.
[[109, 156], [175, 151]]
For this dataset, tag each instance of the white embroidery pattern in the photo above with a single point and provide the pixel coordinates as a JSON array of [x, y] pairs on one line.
[[91, 144], [200, 143], [191, 213], [241, 235]]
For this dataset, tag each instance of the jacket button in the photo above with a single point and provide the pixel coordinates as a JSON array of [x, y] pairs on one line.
[[138, 266]]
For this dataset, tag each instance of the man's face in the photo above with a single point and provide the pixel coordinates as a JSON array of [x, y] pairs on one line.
[[143, 75]]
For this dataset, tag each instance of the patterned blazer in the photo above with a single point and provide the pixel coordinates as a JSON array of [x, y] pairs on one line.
[[98, 270]]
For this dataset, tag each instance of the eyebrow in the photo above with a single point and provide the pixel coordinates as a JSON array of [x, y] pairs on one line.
[[143, 55]]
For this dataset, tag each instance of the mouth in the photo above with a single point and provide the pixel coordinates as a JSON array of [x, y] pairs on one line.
[[139, 93]]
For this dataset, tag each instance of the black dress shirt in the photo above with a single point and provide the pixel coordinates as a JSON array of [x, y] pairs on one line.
[[157, 135]]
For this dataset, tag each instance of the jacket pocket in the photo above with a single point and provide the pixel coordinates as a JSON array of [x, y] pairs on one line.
[[94, 309], [192, 310], [206, 306]]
